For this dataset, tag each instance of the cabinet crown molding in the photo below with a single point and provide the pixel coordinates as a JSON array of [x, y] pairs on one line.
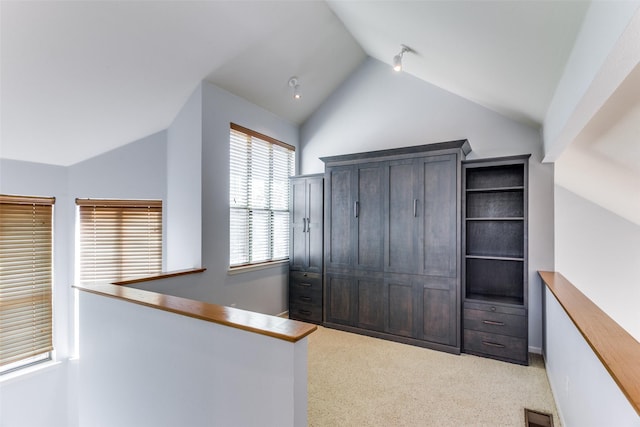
[[399, 153]]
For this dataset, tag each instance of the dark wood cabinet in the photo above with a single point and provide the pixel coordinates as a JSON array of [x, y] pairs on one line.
[[495, 258], [355, 217], [392, 244], [306, 248]]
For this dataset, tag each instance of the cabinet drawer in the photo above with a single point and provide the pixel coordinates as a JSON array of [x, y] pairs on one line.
[[309, 298], [305, 281], [499, 346], [307, 289], [305, 312], [487, 306], [494, 322]]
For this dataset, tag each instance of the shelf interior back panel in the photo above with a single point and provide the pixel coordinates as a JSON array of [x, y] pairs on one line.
[[495, 238], [495, 177], [495, 277], [506, 204]]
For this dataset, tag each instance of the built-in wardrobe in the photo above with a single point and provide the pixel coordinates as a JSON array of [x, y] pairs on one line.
[[420, 246], [392, 244]]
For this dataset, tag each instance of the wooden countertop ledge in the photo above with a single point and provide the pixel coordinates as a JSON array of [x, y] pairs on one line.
[[618, 351], [272, 326]]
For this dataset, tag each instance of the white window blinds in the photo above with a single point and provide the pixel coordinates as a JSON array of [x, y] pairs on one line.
[[119, 239], [25, 278], [260, 168]]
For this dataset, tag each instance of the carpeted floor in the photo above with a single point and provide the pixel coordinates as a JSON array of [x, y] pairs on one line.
[[361, 381]]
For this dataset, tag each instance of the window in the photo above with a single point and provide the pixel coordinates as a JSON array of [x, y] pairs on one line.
[[260, 168], [119, 239], [25, 280]]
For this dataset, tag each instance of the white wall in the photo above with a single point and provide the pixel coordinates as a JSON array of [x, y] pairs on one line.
[[379, 109], [264, 290], [46, 388], [146, 367], [583, 389], [599, 62], [599, 252], [137, 170], [183, 209]]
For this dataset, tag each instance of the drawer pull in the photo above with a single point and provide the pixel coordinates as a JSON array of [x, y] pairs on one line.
[[305, 299], [304, 312], [492, 344], [493, 309], [305, 275], [492, 322], [306, 285]]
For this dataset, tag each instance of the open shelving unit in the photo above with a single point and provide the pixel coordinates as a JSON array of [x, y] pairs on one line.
[[495, 257]]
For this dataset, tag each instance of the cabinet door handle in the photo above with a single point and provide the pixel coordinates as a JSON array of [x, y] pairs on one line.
[[308, 225], [305, 299], [415, 208], [492, 344], [492, 322], [356, 209], [304, 225], [306, 285]]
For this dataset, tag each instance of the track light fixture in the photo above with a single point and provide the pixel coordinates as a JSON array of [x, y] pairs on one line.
[[295, 84], [397, 60]]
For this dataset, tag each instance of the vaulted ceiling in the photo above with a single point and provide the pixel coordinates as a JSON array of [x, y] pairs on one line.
[[81, 78]]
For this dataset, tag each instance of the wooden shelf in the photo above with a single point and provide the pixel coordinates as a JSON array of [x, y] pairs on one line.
[[499, 258], [508, 218], [497, 299], [494, 189], [618, 351]]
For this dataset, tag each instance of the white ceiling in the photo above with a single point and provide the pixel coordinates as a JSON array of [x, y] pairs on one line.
[[81, 78]]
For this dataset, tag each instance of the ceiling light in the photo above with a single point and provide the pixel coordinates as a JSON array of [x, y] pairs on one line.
[[295, 84], [397, 60]]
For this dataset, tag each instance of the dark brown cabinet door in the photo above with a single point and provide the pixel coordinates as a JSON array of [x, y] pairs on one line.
[[401, 226], [298, 259], [339, 210], [314, 231], [306, 216], [439, 312], [371, 298], [369, 217], [340, 299], [438, 216], [401, 305]]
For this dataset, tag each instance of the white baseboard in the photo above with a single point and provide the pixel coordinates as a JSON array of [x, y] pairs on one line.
[[536, 350], [284, 314]]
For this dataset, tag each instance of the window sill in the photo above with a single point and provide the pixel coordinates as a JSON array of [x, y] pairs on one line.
[[254, 267], [29, 370]]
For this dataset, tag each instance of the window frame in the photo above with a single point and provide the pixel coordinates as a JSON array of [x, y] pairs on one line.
[[117, 213], [250, 263], [32, 217]]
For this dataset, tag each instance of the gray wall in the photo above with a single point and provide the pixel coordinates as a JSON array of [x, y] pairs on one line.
[[376, 108], [135, 171], [46, 389], [599, 252], [262, 290], [184, 187]]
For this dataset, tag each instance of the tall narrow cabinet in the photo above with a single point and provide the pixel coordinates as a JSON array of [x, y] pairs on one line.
[[392, 244], [495, 258], [306, 247]]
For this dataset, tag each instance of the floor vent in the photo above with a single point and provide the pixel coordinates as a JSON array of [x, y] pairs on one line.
[[537, 419]]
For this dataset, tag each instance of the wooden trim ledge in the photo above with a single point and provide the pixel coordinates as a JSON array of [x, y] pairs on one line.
[[271, 326], [618, 351], [164, 275]]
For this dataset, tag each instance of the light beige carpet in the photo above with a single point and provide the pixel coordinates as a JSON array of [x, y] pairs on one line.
[[361, 381]]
